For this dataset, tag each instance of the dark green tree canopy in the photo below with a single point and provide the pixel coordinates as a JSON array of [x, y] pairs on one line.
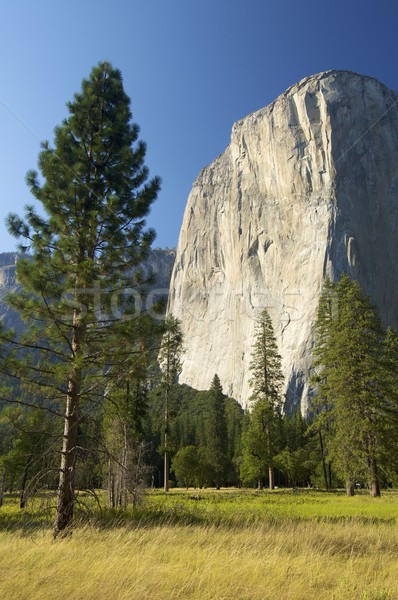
[[355, 392], [216, 431], [95, 191], [261, 440], [266, 380]]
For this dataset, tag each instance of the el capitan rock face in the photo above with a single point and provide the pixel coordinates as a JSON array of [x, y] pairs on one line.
[[308, 187]]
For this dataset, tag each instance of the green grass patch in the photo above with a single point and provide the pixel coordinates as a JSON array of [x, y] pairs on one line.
[[243, 507], [233, 508]]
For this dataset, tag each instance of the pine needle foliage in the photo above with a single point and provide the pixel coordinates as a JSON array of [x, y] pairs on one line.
[[261, 441], [355, 398], [216, 432], [169, 360]]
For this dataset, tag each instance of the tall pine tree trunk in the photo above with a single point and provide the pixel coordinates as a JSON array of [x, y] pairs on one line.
[[166, 469], [111, 484], [325, 476], [330, 475], [375, 488], [22, 495], [124, 469], [271, 483], [2, 486], [374, 478], [166, 473], [66, 485]]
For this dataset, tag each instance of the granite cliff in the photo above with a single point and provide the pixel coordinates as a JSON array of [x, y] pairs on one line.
[[308, 187]]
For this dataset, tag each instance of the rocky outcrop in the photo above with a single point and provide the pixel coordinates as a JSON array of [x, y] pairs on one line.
[[308, 187]]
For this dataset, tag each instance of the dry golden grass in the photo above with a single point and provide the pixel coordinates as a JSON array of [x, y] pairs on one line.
[[295, 561]]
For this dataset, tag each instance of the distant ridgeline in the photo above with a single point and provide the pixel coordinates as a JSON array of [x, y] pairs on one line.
[[158, 265]]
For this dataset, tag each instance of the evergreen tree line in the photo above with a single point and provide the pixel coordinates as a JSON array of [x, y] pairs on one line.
[[121, 447], [350, 437], [148, 420], [355, 406]]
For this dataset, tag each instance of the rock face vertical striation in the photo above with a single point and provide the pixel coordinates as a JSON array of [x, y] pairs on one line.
[[307, 188]]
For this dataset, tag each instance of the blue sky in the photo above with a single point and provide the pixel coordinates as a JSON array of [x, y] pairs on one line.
[[191, 68]]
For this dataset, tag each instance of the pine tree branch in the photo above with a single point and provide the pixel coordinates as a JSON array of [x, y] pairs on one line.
[[31, 405]]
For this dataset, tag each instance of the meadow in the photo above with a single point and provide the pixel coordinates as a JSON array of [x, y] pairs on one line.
[[207, 544]]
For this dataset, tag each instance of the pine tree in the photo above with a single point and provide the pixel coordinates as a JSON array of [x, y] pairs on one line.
[[234, 418], [390, 386], [262, 441], [321, 407], [390, 356], [170, 365], [216, 432], [125, 414], [78, 278], [351, 385]]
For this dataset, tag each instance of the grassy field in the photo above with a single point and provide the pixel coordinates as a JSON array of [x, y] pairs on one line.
[[206, 545]]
